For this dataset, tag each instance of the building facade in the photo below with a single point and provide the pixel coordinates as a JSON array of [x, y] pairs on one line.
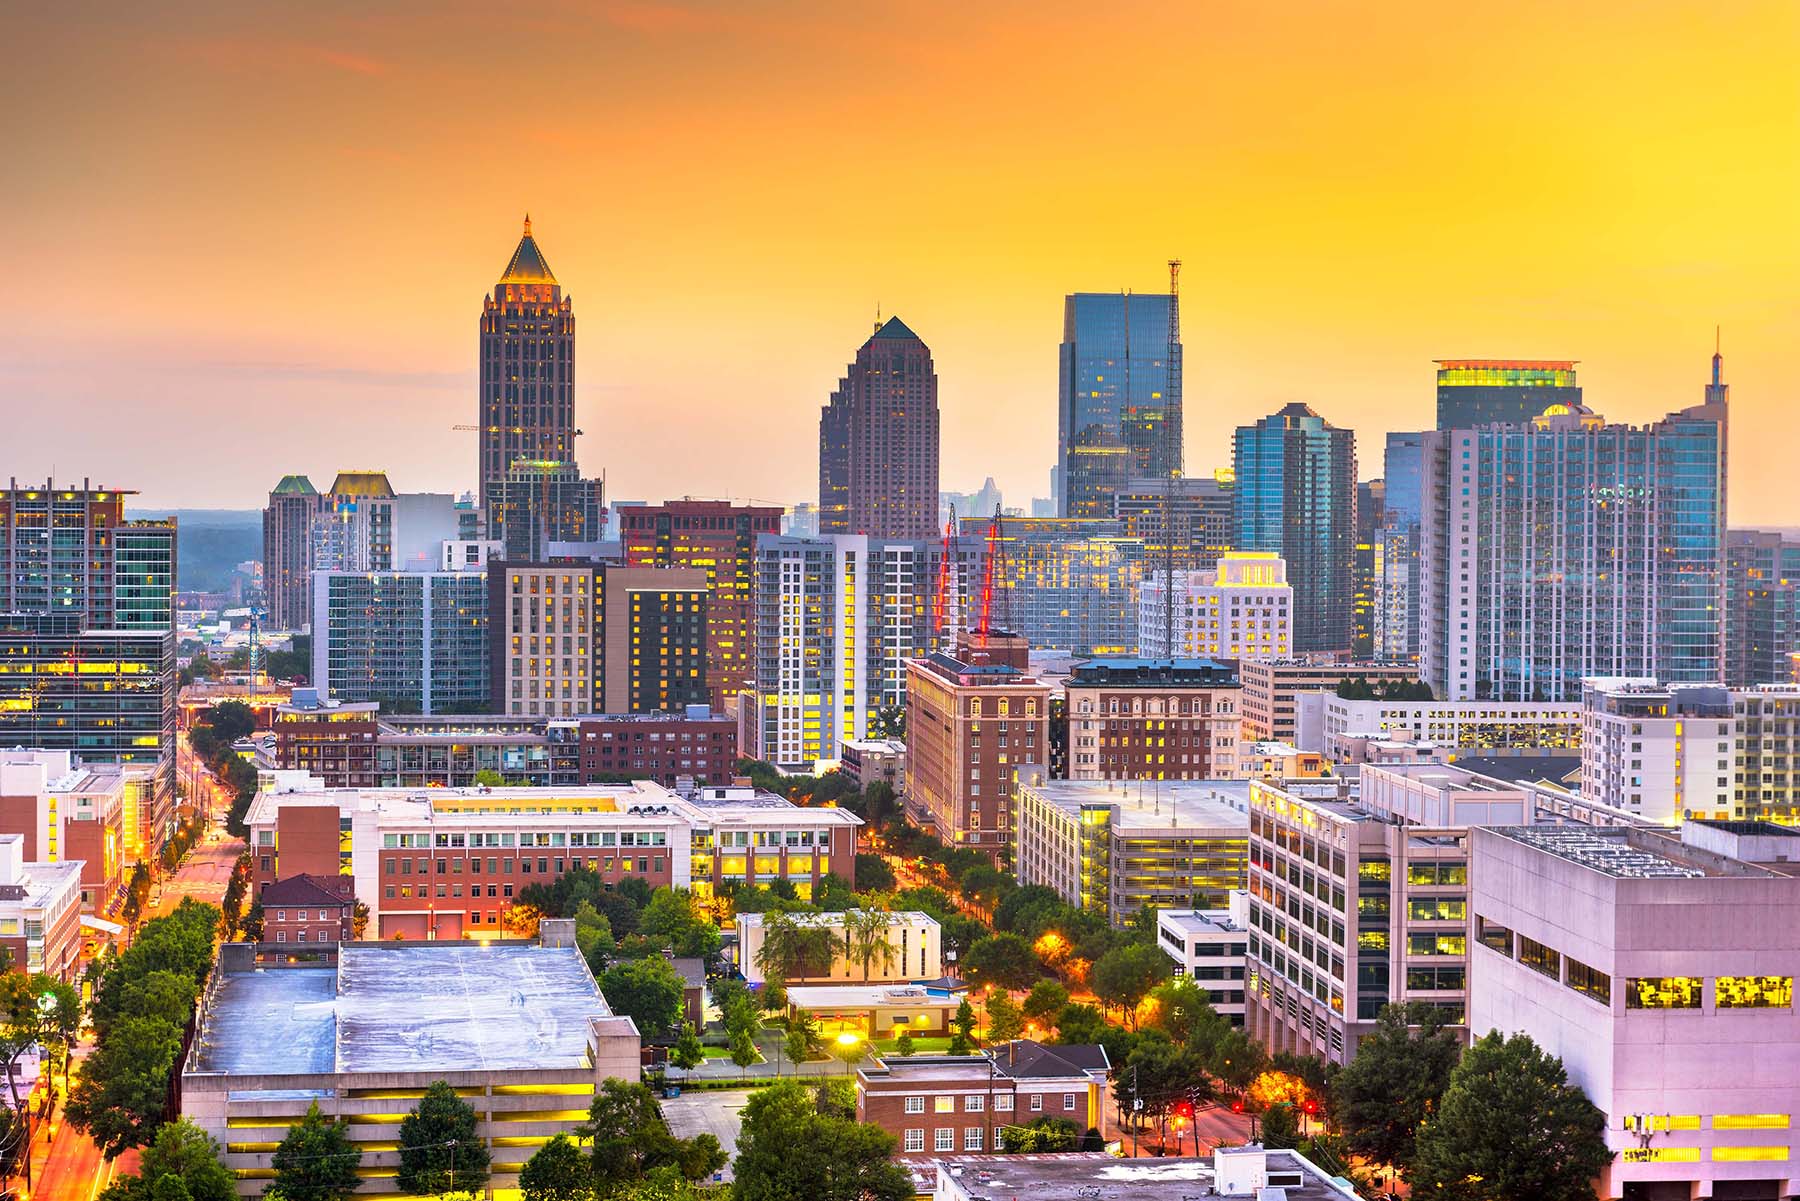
[[287, 522], [968, 728], [1295, 496], [1118, 398], [1209, 947], [1199, 517], [1153, 719], [1242, 609], [878, 441], [913, 941], [934, 1105], [412, 641], [40, 912], [1570, 548], [1272, 688], [1762, 607], [720, 538], [307, 911], [68, 811], [1477, 392], [1065, 584], [1396, 547], [527, 355], [1471, 725]]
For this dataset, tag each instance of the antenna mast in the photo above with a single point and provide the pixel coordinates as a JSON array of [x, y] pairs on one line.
[[1171, 433]]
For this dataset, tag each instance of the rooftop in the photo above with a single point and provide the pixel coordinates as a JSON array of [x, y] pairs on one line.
[[1151, 804], [1623, 853], [867, 996], [527, 265], [1096, 1176], [1524, 769], [1199, 921], [393, 1007]]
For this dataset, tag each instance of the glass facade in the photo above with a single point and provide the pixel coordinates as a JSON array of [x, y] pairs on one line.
[[1119, 398], [415, 642], [1472, 392], [1762, 607]]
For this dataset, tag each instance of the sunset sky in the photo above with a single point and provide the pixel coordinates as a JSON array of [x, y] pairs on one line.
[[245, 240]]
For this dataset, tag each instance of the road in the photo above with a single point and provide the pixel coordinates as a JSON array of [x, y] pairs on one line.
[[718, 1112], [204, 875]]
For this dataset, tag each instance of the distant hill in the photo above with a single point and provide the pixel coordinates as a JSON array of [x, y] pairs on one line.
[[211, 544]]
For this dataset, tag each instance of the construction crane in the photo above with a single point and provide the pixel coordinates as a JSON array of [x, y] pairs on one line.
[[946, 609], [1171, 432], [257, 613], [990, 568]]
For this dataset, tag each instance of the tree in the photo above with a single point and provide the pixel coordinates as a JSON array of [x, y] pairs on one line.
[[1510, 1125], [439, 1149], [119, 1097], [1002, 961], [647, 990], [1045, 1002], [962, 1029], [316, 1161], [1040, 1136], [558, 1171], [873, 872], [671, 920], [1005, 1020], [866, 931], [1125, 974], [631, 1139], [788, 1148], [1393, 1086], [903, 1043], [743, 1049], [802, 1039], [181, 1152], [794, 950], [1281, 1127], [1180, 1008], [687, 1053]]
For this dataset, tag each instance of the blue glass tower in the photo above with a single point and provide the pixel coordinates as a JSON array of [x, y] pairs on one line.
[[1119, 398]]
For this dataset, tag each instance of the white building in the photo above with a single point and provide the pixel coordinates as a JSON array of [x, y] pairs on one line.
[[914, 940], [1477, 725], [1661, 971], [1240, 611], [1208, 947]]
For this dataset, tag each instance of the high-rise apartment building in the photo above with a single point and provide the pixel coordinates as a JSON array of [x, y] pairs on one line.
[[527, 407], [1762, 606], [287, 521], [1153, 719], [70, 551], [540, 501], [1396, 599], [1240, 610], [1118, 397], [1296, 497], [413, 641], [968, 727], [1067, 584], [1568, 548], [837, 620], [719, 538], [878, 441], [1370, 567], [1476, 392], [1199, 516], [574, 638]]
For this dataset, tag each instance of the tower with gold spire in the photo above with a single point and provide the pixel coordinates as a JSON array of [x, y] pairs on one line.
[[527, 408]]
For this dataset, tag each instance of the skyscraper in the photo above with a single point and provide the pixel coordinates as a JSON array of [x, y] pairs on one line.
[[1472, 392], [878, 441], [527, 369], [1762, 606], [287, 552], [1569, 548], [1119, 397], [1296, 497], [1397, 590]]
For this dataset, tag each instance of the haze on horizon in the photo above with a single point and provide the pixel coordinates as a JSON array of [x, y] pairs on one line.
[[246, 241]]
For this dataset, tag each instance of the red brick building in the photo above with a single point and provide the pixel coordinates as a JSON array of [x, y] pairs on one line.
[[720, 538], [333, 740], [936, 1104], [308, 910], [40, 912], [1153, 719], [660, 747]]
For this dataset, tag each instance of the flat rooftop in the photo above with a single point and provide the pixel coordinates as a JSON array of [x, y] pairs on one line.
[[1151, 804], [1624, 853], [1200, 921], [1095, 1176], [393, 1007]]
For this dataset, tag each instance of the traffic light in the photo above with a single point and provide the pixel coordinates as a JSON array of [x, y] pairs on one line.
[[1310, 1108]]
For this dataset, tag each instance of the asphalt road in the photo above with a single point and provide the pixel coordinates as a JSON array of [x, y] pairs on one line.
[[718, 1112], [204, 876]]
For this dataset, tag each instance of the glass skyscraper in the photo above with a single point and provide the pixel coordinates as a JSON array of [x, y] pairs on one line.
[[1397, 599], [1296, 497], [1119, 398], [1472, 392]]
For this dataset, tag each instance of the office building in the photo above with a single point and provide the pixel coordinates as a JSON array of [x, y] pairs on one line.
[[869, 760], [411, 641], [1477, 392], [520, 1030], [1199, 515], [446, 862], [1653, 967], [40, 912], [1762, 606], [70, 811], [294, 504], [1272, 690], [537, 503], [969, 726], [1486, 726], [569, 638], [1153, 719], [878, 441], [1114, 846], [71, 551], [937, 1104], [914, 949], [1370, 567], [1295, 496], [837, 620], [720, 538], [527, 355], [1570, 548], [1395, 551], [1209, 947], [1064, 584], [1118, 397], [1242, 609]]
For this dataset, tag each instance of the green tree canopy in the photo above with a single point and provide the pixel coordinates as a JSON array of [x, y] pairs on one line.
[[1124, 975], [439, 1149], [1393, 1086], [793, 949], [672, 920], [630, 1139], [1003, 961], [788, 1148], [316, 1161], [1045, 1002], [181, 1152], [1510, 1125], [647, 990], [557, 1171], [1005, 1020]]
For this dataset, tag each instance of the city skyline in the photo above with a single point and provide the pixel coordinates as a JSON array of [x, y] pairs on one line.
[[1350, 205]]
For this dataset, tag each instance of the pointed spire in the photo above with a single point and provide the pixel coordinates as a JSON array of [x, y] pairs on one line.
[[1718, 363], [527, 265], [528, 225]]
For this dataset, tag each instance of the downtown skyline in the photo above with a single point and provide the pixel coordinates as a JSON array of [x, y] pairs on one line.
[[1598, 200]]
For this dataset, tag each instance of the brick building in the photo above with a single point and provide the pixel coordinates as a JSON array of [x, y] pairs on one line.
[[40, 912], [700, 744], [69, 811], [1272, 687], [968, 726], [308, 910], [936, 1104], [1153, 719], [719, 538]]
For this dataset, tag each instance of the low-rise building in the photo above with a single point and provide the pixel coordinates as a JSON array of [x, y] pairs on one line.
[[307, 910], [914, 949], [40, 911], [1660, 969], [1153, 719], [1272, 687], [1279, 761], [697, 744], [935, 1105], [1113, 847], [867, 760], [968, 727], [520, 1030], [1485, 727], [1248, 1172], [1241, 610], [67, 811], [1209, 947]]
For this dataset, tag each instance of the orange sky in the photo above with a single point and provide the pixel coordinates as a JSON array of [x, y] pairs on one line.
[[243, 240]]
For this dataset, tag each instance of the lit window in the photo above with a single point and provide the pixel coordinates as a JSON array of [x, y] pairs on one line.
[[943, 1104], [1662, 992], [1754, 992]]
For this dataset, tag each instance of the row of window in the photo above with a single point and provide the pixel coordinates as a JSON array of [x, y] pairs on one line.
[[977, 1102]]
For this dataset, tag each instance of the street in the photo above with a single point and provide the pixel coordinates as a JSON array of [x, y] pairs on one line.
[[204, 875], [718, 1112]]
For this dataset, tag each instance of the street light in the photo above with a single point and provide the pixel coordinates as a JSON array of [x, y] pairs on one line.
[[849, 1048]]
